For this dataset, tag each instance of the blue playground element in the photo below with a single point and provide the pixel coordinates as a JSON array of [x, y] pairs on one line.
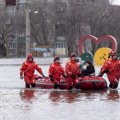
[[87, 56]]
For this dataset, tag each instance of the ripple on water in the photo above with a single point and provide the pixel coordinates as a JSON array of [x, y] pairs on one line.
[[39, 104]]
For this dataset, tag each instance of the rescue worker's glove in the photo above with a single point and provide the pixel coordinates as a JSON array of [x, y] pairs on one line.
[[79, 75], [21, 76], [64, 76], [101, 74], [51, 77], [73, 76], [43, 75]]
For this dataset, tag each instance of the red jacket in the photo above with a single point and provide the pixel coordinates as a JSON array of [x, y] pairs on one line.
[[112, 68], [56, 70], [72, 68], [28, 68]]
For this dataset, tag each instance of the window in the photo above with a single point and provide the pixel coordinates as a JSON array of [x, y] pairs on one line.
[[11, 8], [60, 20], [60, 45], [22, 1], [22, 6], [60, 6], [21, 34], [12, 45]]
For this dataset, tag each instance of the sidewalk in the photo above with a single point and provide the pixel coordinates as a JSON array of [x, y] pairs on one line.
[[19, 61]]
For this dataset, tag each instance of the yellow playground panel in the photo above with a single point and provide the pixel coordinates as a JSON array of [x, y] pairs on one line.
[[101, 55]]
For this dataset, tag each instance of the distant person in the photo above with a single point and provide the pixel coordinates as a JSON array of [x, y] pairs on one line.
[[112, 68], [90, 70], [72, 70], [28, 68], [56, 71]]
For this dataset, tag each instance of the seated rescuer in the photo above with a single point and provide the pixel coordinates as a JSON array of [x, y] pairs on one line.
[[112, 68], [72, 71], [89, 69], [28, 68], [55, 72]]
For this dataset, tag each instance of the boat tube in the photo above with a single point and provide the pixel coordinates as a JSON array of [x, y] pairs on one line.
[[83, 83]]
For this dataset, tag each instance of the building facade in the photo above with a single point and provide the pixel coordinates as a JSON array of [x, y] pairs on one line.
[[55, 23], [60, 28]]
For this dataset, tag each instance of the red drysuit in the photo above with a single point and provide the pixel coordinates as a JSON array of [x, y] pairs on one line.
[[72, 70], [56, 70], [112, 69], [28, 68]]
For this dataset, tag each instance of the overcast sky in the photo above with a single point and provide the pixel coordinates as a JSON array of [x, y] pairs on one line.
[[117, 2]]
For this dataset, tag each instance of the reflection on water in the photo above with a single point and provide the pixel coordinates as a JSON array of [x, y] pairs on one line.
[[17, 103], [113, 95], [64, 96], [27, 94], [74, 96], [39, 104]]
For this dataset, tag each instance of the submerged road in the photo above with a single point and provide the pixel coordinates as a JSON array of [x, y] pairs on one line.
[[18, 103]]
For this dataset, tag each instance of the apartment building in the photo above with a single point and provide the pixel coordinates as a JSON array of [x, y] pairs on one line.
[[57, 35]]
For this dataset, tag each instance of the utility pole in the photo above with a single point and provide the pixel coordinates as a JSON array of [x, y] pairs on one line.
[[7, 39], [27, 29]]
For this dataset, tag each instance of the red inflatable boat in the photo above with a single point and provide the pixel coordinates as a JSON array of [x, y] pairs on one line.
[[46, 83], [84, 83], [92, 83]]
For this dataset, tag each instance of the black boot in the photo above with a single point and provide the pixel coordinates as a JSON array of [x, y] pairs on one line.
[[27, 85], [70, 88], [56, 86], [33, 85], [113, 85], [77, 86]]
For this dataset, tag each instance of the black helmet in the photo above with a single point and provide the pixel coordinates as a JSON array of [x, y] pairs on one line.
[[56, 58]]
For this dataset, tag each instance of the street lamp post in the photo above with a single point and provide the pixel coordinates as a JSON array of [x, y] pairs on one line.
[[7, 39], [27, 30]]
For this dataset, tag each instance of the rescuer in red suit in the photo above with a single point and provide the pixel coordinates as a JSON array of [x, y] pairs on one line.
[[55, 72], [112, 68], [72, 70], [28, 68]]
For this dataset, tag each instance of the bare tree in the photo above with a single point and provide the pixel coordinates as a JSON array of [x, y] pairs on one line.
[[73, 26], [5, 29], [42, 23], [77, 16]]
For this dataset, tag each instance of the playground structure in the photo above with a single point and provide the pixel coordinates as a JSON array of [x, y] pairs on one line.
[[102, 53]]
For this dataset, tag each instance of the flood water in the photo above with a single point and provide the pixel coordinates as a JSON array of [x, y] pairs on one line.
[[18, 103]]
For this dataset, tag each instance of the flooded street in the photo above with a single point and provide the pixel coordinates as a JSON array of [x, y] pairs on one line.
[[74, 45], [18, 103]]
